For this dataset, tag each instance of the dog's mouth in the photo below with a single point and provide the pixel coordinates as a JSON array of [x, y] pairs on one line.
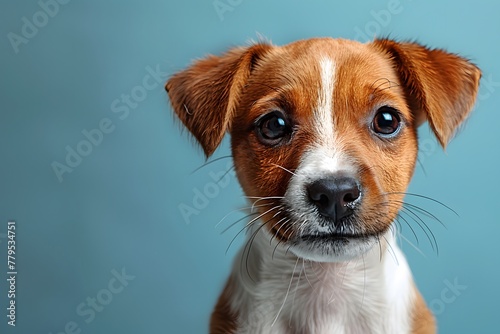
[[313, 236], [333, 247], [335, 237], [330, 243]]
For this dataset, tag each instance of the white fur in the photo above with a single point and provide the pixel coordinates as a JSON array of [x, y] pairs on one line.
[[285, 294], [316, 163], [325, 159], [323, 113], [294, 289]]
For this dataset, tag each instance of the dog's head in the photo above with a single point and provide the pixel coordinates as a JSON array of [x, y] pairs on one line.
[[324, 131]]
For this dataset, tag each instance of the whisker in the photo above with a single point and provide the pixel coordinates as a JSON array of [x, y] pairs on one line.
[[391, 251], [295, 294], [187, 109], [286, 170], [287, 229], [286, 295], [379, 248], [421, 166], [410, 210], [305, 274], [258, 199], [249, 245], [240, 209], [210, 162], [420, 222], [397, 225], [250, 242], [237, 221], [419, 209], [345, 271], [385, 81], [411, 228], [249, 224], [224, 175], [279, 228], [424, 197], [364, 283], [279, 242], [255, 206], [425, 212], [391, 204], [411, 244], [272, 227]]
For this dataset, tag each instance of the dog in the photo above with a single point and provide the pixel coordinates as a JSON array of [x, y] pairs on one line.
[[324, 143]]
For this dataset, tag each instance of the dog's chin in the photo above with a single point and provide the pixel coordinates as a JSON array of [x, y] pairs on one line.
[[332, 248]]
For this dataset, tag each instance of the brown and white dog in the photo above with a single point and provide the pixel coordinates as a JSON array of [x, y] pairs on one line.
[[324, 142]]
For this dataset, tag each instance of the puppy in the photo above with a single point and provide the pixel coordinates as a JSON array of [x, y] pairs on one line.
[[324, 142]]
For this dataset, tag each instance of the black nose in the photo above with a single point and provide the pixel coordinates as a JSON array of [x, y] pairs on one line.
[[334, 197]]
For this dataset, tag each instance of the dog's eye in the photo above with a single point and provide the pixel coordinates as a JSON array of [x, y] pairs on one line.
[[386, 122], [272, 127]]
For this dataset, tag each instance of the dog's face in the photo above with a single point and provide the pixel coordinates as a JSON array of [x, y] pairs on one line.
[[324, 127], [324, 131]]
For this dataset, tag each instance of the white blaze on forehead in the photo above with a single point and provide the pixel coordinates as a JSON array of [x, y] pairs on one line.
[[324, 109], [322, 159], [326, 155]]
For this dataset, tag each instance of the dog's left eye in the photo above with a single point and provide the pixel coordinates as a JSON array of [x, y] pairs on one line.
[[387, 121], [272, 127]]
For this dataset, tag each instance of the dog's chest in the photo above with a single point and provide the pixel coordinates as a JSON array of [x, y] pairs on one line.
[[347, 298], [312, 302]]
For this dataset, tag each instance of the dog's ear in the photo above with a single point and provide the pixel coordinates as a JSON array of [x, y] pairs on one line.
[[206, 95], [440, 87]]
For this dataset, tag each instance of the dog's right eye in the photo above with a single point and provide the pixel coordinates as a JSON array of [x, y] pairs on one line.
[[271, 128], [387, 122]]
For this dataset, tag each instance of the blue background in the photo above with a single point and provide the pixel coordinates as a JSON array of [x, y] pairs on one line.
[[118, 209]]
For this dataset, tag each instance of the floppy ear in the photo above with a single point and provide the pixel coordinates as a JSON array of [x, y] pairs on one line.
[[206, 95], [440, 87]]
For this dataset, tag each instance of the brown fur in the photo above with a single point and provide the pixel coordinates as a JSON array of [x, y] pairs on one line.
[[440, 87], [205, 96], [423, 320], [298, 89], [223, 319], [228, 93]]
